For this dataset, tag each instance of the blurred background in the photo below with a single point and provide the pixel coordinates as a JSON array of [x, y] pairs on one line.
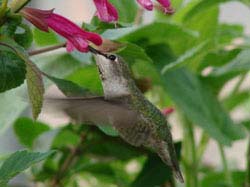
[[83, 10]]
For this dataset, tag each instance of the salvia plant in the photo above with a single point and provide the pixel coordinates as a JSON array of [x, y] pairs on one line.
[[190, 65]]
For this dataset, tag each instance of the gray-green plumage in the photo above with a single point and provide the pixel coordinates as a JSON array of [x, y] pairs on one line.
[[150, 128]]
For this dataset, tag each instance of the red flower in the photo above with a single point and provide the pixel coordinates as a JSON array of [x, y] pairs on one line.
[[106, 11], [76, 37], [167, 111]]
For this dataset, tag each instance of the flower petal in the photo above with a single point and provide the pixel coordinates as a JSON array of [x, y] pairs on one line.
[[79, 43], [106, 11], [69, 46], [76, 37], [37, 17], [166, 4], [167, 111], [147, 4]]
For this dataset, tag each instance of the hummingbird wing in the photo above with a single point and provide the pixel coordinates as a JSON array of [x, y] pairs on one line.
[[95, 110]]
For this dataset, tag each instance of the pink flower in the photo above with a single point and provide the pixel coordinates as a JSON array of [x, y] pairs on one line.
[[76, 37], [166, 4], [147, 4], [167, 111], [106, 11]]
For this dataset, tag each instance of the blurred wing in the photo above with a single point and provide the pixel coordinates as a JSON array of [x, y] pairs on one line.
[[95, 111]]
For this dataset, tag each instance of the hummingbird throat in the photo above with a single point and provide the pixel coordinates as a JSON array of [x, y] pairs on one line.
[[113, 74]]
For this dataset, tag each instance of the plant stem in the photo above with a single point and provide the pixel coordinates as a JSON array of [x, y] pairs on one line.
[[56, 181], [3, 11], [17, 5], [238, 84], [47, 49], [248, 166], [202, 146], [138, 17], [3, 8], [189, 154], [52, 48], [227, 173]]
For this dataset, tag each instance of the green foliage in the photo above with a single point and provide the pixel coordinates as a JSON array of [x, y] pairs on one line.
[[88, 78], [239, 64], [70, 88], [197, 102], [27, 131], [44, 38], [154, 173], [24, 37], [123, 6], [35, 88], [18, 162], [218, 179], [184, 60], [12, 70]]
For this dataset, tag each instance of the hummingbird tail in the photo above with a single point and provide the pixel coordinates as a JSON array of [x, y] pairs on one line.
[[178, 175], [171, 161]]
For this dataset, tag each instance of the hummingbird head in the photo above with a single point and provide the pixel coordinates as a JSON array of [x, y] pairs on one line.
[[114, 74]]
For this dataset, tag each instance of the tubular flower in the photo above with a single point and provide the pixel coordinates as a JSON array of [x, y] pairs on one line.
[[166, 4], [76, 37], [106, 12], [147, 4], [167, 111]]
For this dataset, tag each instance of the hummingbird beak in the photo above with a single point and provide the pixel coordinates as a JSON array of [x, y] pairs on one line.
[[97, 52]]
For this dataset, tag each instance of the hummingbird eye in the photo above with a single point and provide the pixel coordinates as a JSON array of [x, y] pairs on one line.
[[112, 57]]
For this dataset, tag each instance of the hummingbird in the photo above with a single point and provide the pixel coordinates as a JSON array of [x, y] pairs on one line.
[[123, 106]]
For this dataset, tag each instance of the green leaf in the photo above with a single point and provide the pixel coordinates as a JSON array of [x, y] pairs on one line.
[[227, 32], [70, 88], [218, 179], [35, 87], [18, 162], [132, 53], [109, 130], [157, 32], [10, 26], [202, 6], [207, 26], [218, 58], [154, 172], [24, 37], [65, 138], [238, 65], [87, 77], [109, 147], [196, 100], [183, 58], [98, 26], [123, 6], [58, 65], [27, 130], [201, 107], [235, 100], [12, 70], [44, 38], [246, 124]]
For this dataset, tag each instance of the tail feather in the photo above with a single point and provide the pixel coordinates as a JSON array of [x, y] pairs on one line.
[[170, 160]]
